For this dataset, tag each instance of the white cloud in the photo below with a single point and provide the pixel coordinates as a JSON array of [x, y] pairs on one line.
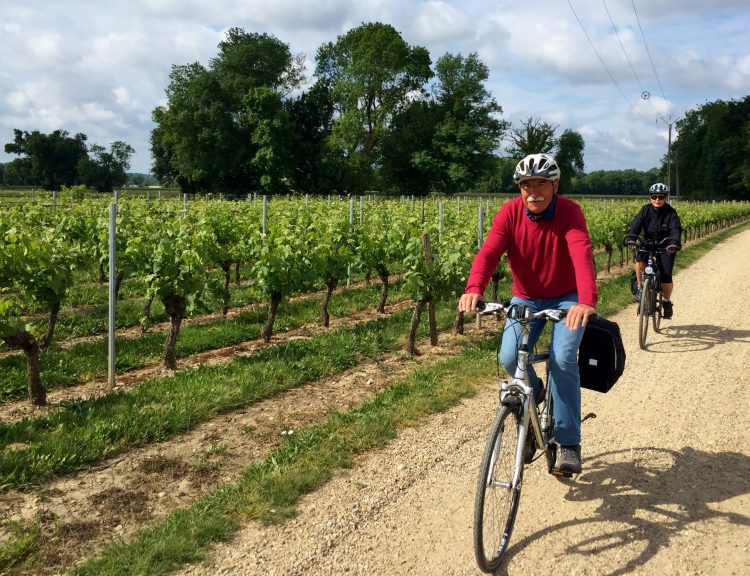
[[101, 67], [122, 97], [437, 23], [17, 100]]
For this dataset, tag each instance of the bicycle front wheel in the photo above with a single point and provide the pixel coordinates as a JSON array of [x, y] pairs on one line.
[[657, 311], [498, 490], [645, 312]]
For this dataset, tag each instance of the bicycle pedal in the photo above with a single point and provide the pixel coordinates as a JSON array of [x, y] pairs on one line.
[[560, 474]]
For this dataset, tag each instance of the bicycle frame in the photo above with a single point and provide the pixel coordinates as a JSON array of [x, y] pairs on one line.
[[649, 305], [509, 447], [519, 391], [651, 271], [652, 249]]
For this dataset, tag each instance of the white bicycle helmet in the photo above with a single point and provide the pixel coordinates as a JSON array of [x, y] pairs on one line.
[[659, 188], [537, 166]]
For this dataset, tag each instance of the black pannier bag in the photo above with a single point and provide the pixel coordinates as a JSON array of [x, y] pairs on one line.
[[601, 356]]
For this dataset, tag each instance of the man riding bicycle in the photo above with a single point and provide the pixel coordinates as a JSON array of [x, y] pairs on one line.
[[658, 221], [550, 258]]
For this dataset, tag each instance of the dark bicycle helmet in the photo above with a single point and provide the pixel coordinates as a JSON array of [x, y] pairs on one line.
[[537, 166], [659, 188]]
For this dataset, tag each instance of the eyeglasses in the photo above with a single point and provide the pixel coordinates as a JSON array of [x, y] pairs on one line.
[[658, 196], [527, 185]]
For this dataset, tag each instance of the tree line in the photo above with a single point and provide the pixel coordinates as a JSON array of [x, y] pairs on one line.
[[54, 160], [377, 115]]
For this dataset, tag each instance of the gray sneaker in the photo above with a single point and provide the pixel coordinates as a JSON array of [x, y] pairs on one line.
[[570, 459]]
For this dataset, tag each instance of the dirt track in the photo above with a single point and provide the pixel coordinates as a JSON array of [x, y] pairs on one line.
[[665, 487]]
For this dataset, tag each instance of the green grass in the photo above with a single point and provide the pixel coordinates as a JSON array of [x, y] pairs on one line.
[[87, 431], [24, 540]]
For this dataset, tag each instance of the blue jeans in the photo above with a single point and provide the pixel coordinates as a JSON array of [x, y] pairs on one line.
[[563, 364]]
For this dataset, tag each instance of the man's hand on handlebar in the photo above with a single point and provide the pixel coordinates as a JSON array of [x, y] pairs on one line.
[[468, 302], [671, 249], [578, 315]]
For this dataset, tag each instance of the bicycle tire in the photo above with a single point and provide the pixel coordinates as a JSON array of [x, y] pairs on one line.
[[656, 316], [497, 499], [645, 312]]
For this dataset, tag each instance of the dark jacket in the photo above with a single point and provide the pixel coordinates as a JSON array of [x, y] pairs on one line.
[[656, 225]]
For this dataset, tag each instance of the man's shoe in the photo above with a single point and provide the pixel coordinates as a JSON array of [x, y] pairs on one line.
[[666, 309], [570, 459]]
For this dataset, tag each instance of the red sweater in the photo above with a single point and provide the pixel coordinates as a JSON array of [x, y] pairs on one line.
[[547, 258]]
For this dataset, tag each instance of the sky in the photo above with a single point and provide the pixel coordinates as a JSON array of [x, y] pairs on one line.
[[619, 72]]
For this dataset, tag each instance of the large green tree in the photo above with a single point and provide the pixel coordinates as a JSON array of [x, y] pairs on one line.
[[269, 127], [47, 160], [532, 137], [446, 143], [467, 130], [711, 154], [311, 118], [569, 156], [220, 130], [405, 164], [106, 169], [374, 74]]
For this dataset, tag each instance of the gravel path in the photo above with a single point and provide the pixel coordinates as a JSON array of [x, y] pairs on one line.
[[665, 487]]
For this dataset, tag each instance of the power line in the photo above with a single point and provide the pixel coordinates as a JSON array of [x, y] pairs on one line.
[[599, 55], [644, 92], [647, 50]]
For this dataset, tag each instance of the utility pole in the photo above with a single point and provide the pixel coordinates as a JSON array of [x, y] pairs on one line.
[[669, 147]]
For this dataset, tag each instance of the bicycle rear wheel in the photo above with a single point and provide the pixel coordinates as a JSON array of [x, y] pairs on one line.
[[497, 497], [645, 312]]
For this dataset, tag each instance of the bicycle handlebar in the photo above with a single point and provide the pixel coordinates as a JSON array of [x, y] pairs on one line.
[[646, 244], [519, 311], [656, 246]]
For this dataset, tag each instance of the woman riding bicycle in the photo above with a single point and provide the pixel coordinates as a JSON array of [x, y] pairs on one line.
[[658, 221], [550, 258]]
